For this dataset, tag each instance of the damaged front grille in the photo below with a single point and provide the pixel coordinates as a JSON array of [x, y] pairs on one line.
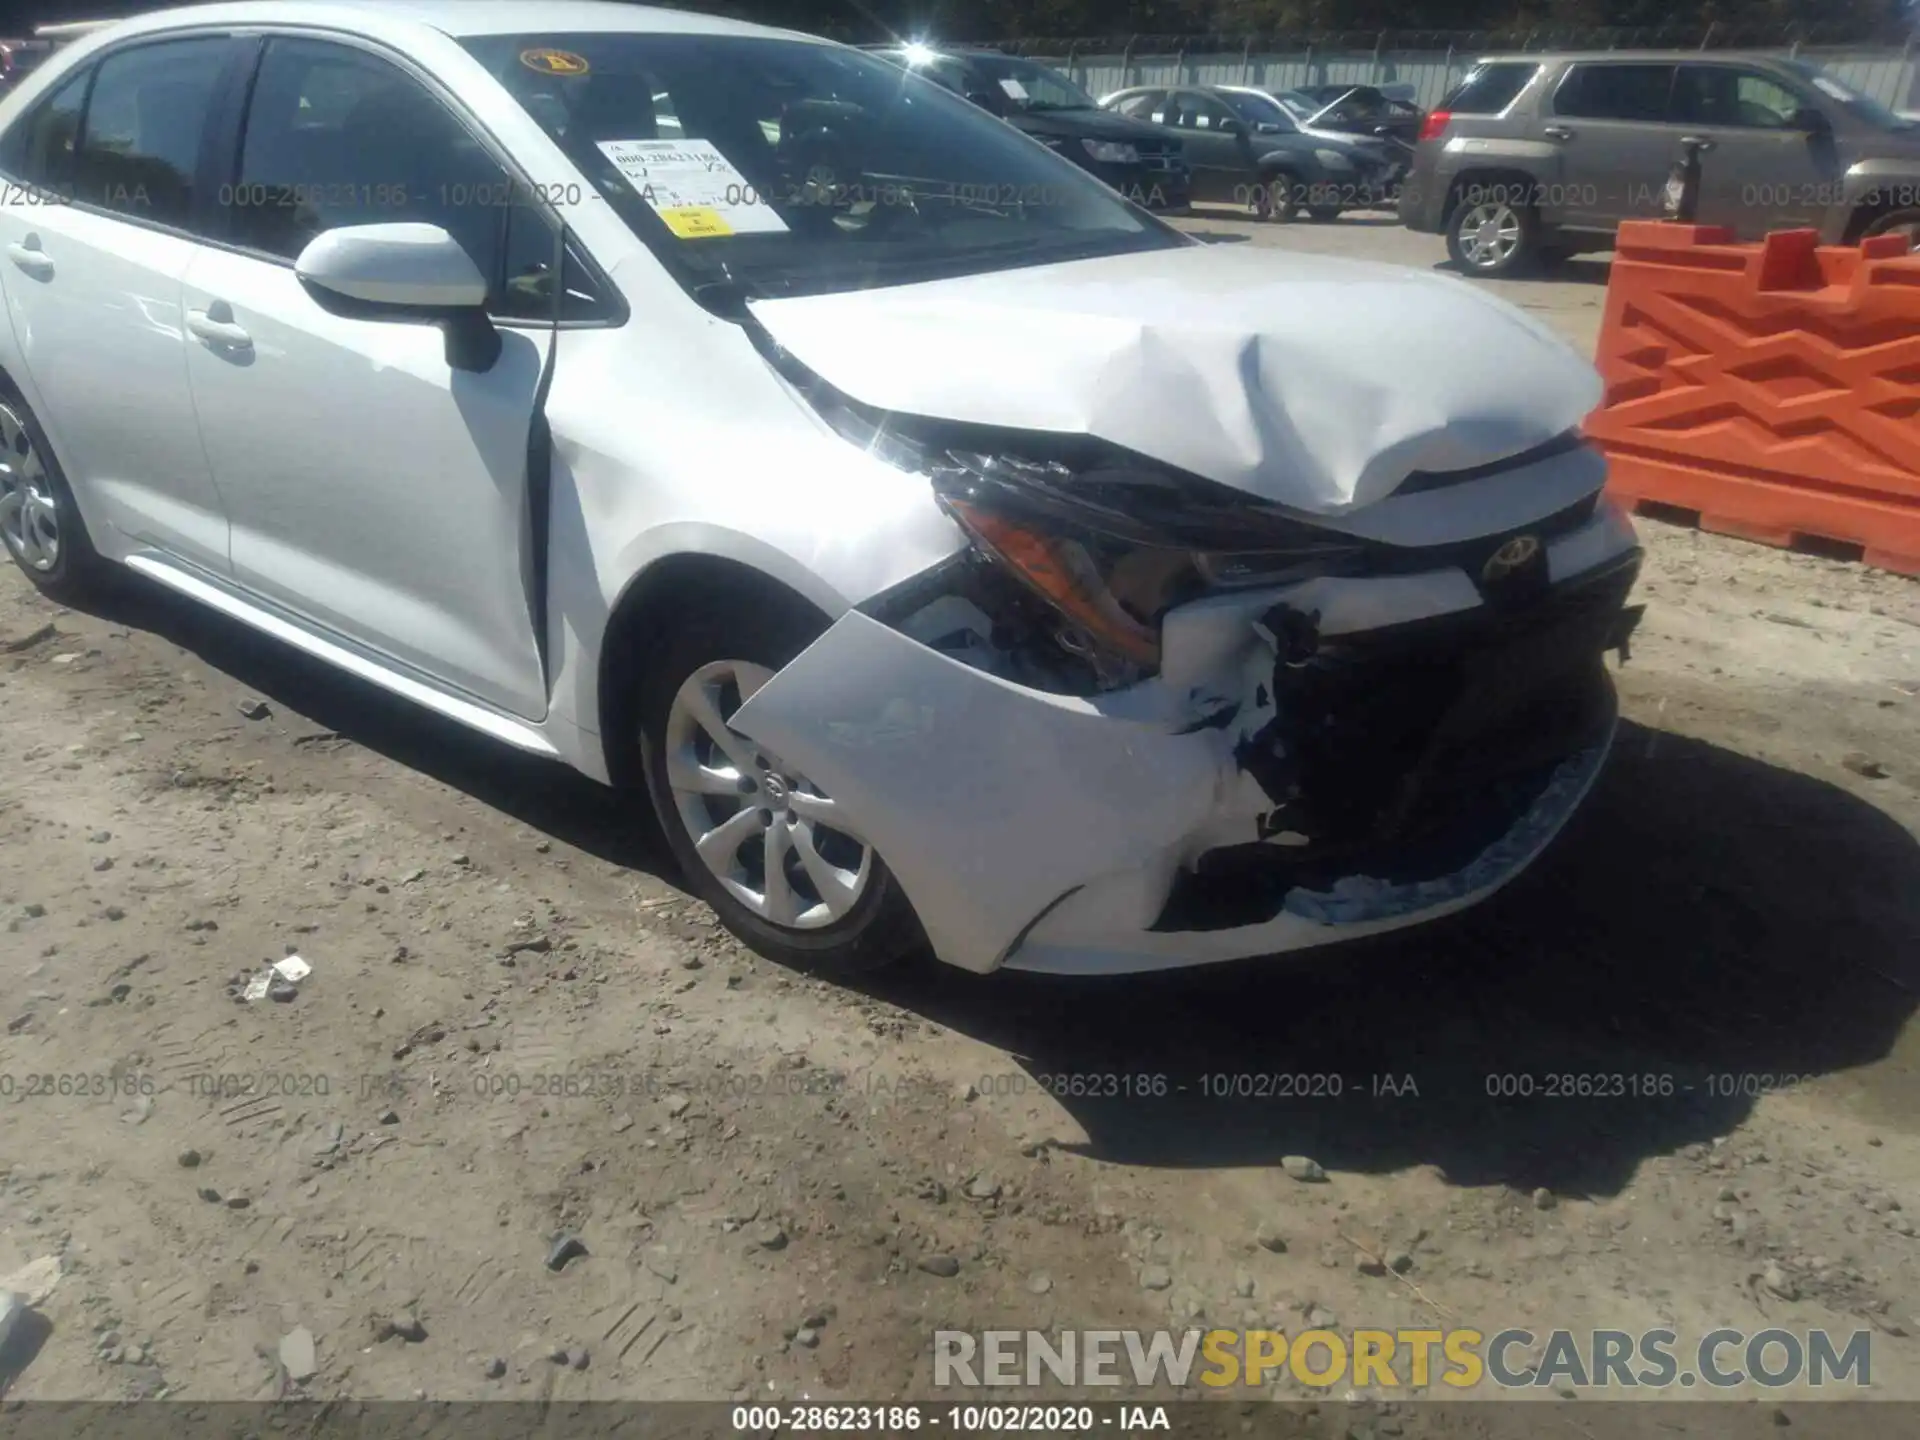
[[1403, 754]]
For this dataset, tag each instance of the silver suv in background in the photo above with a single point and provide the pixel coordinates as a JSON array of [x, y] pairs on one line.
[[1535, 157]]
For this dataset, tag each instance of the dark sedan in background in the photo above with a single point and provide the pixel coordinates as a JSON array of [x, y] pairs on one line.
[[1141, 161], [1246, 149]]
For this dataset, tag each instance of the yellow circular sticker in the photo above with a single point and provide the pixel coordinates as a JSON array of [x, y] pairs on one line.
[[554, 62]]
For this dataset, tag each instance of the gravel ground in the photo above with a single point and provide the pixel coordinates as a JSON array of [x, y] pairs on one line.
[[517, 1029]]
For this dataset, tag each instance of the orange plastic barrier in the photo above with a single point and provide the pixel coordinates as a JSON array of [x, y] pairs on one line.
[[1773, 389]]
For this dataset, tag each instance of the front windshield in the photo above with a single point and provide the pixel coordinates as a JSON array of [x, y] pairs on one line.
[[773, 166], [1862, 107], [1027, 84], [1259, 109], [1301, 107]]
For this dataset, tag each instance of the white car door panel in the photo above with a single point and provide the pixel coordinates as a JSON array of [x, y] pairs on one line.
[[93, 291], [125, 431], [373, 489]]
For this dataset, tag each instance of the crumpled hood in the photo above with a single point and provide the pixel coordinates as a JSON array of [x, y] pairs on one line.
[[1312, 382]]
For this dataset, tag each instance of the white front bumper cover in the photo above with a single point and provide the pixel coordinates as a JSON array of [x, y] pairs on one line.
[[1047, 832]]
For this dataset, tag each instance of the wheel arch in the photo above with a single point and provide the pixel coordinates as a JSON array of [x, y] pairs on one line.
[[1872, 207], [671, 585]]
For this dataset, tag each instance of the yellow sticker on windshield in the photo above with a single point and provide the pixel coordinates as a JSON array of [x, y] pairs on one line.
[[554, 62], [695, 222]]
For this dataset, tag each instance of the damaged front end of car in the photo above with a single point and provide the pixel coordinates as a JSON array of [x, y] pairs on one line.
[[1146, 720]]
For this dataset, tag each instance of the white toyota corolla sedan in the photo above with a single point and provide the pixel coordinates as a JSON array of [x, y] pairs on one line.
[[959, 556]]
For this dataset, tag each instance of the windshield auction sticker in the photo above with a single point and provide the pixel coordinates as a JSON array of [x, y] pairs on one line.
[[554, 62], [693, 188]]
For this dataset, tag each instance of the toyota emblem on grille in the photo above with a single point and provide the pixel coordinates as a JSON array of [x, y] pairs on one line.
[[1509, 558]]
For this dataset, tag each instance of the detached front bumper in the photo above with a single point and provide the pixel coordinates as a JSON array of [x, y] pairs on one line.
[[1247, 800]]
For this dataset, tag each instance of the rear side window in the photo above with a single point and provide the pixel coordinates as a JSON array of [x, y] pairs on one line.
[[140, 143], [39, 149], [1490, 88], [1143, 105], [1615, 92]]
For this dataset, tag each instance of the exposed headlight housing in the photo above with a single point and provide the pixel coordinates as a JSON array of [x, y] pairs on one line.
[[1110, 550], [1112, 152]]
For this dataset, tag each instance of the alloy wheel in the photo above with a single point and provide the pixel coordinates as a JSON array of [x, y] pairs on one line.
[[29, 515], [1489, 234], [770, 837]]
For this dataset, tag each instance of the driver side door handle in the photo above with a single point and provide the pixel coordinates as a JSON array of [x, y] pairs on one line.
[[31, 258], [1557, 132], [216, 326]]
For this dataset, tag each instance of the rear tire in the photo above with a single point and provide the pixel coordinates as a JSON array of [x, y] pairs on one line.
[[40, 524], [1323, 214], [758, 877], [1904, 221], [1491, 236]]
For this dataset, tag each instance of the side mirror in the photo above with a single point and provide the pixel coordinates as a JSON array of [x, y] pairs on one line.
[[992, 101], [404, 271], [1229, 127], [1812, 121]]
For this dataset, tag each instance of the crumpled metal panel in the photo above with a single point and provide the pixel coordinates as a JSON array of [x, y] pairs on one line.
[[1314, 382]]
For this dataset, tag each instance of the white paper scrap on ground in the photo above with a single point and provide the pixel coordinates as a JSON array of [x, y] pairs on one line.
[[292, 969]]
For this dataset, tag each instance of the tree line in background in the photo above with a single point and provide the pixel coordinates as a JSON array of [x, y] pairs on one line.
[[866, 20]]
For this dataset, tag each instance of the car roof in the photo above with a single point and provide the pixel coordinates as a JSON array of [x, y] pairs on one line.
[[454, 17], [959, 52]]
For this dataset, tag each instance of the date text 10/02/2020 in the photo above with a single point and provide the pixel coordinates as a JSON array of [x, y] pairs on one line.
[[772, 1420]]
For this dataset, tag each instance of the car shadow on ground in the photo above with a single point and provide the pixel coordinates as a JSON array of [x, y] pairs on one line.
[[1708, 921], [540, 793], [1580, 270], [1708, 927]]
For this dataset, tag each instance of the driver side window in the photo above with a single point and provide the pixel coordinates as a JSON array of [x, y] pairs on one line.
[[1724, 95], [335, 137]]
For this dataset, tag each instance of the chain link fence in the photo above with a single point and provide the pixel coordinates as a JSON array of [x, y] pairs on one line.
[[1432, 61]]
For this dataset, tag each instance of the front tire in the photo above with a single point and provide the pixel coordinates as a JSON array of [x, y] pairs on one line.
[[1492, 237], [753, 838], [40, 524]]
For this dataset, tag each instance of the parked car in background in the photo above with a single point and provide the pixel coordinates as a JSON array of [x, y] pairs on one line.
[[1026, 581], [1385, 112], [20, 58], [1245, 149], [1143, 163], [1538, 156]]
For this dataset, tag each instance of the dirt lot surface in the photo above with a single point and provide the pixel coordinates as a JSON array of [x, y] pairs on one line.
[[516, 1028]]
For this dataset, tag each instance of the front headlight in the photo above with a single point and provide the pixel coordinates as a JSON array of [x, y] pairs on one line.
[[1111, 550], [1112, 152], [1333, 159]]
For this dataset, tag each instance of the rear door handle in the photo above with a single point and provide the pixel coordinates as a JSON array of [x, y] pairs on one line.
[[216, 326], [31, 258], [1557, 132]]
